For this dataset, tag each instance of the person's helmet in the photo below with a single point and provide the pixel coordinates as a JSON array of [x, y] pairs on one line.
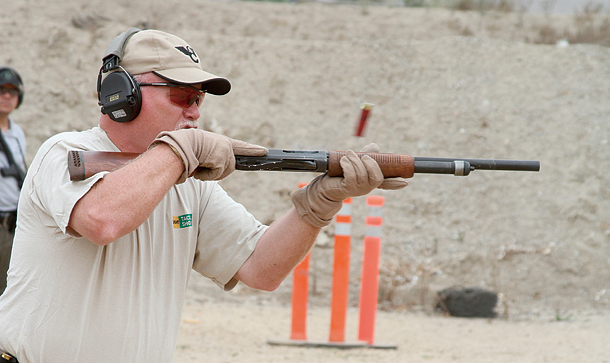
[[10, 76]]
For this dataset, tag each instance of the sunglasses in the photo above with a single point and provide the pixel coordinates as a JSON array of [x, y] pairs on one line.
[[181, 95], [11, 91]]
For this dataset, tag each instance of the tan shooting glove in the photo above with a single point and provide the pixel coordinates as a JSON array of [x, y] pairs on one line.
[[321, 199], [206, 155], [388, 183]]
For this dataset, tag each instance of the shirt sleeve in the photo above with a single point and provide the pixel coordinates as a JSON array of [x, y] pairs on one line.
[[49, 184], [228, 234]]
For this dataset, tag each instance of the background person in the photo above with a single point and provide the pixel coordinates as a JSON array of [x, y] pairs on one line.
[[12, 164]]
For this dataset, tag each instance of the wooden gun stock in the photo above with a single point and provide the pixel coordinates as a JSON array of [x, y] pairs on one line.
[[84, 164]]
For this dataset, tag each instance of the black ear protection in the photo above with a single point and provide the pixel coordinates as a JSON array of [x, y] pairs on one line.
[[119, 94], [18, 77]]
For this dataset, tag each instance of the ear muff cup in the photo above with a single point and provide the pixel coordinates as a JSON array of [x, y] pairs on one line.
[[120, 96], [119, 93]]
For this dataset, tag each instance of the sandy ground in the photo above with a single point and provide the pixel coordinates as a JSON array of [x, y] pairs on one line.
[[249, 329], [443, 83], [418, 338]]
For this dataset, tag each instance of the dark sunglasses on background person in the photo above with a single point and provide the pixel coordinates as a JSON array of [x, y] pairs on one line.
[[11, 91], [181, 95]]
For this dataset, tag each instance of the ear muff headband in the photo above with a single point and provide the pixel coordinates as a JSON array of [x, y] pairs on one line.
[[118, 94], [16, 74]]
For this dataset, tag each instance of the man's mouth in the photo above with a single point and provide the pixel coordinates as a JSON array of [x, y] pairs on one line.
[[189, 125]]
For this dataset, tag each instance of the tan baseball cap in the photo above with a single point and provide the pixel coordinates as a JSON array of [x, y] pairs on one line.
[[170, 58]]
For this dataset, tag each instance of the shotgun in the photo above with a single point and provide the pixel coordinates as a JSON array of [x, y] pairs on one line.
[[83, 164]]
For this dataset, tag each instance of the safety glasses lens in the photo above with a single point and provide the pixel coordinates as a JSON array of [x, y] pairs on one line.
[[11, 91], [184, 97]]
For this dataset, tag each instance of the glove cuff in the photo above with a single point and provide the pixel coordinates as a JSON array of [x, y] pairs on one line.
[[313, 207], [169, 141]]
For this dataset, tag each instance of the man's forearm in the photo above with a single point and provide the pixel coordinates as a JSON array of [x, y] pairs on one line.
[[124, 198], [280, 249]]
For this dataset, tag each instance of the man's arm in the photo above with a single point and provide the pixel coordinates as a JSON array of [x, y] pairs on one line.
[[285, 243], [288, 240], [123, 199]]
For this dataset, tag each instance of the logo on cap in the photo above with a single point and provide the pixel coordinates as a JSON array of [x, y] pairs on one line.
[[189, 52]]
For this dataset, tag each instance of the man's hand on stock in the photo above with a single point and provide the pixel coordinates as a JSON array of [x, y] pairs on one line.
[[206, 155]]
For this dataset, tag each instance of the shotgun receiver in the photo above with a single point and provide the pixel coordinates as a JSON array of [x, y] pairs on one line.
[[84, 164]]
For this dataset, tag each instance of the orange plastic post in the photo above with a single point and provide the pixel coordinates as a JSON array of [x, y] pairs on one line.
[[340, 287], [369, 289], [300, 292]]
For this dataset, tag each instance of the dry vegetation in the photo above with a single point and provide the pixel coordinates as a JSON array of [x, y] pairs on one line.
[[588, 25]]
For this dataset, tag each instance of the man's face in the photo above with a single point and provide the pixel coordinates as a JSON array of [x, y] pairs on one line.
[[9, 98], [162, 112]]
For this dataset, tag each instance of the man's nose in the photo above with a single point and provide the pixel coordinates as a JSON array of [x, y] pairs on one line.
[[192, 113]]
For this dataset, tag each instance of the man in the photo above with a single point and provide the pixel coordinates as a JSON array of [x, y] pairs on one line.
[[100, 266], [12, 164]]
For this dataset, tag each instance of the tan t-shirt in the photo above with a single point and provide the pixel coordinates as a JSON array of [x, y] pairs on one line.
[[70, 300]]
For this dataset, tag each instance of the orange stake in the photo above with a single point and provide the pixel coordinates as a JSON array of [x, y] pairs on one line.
[[300, 292], [369, 289], [340, 289]]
